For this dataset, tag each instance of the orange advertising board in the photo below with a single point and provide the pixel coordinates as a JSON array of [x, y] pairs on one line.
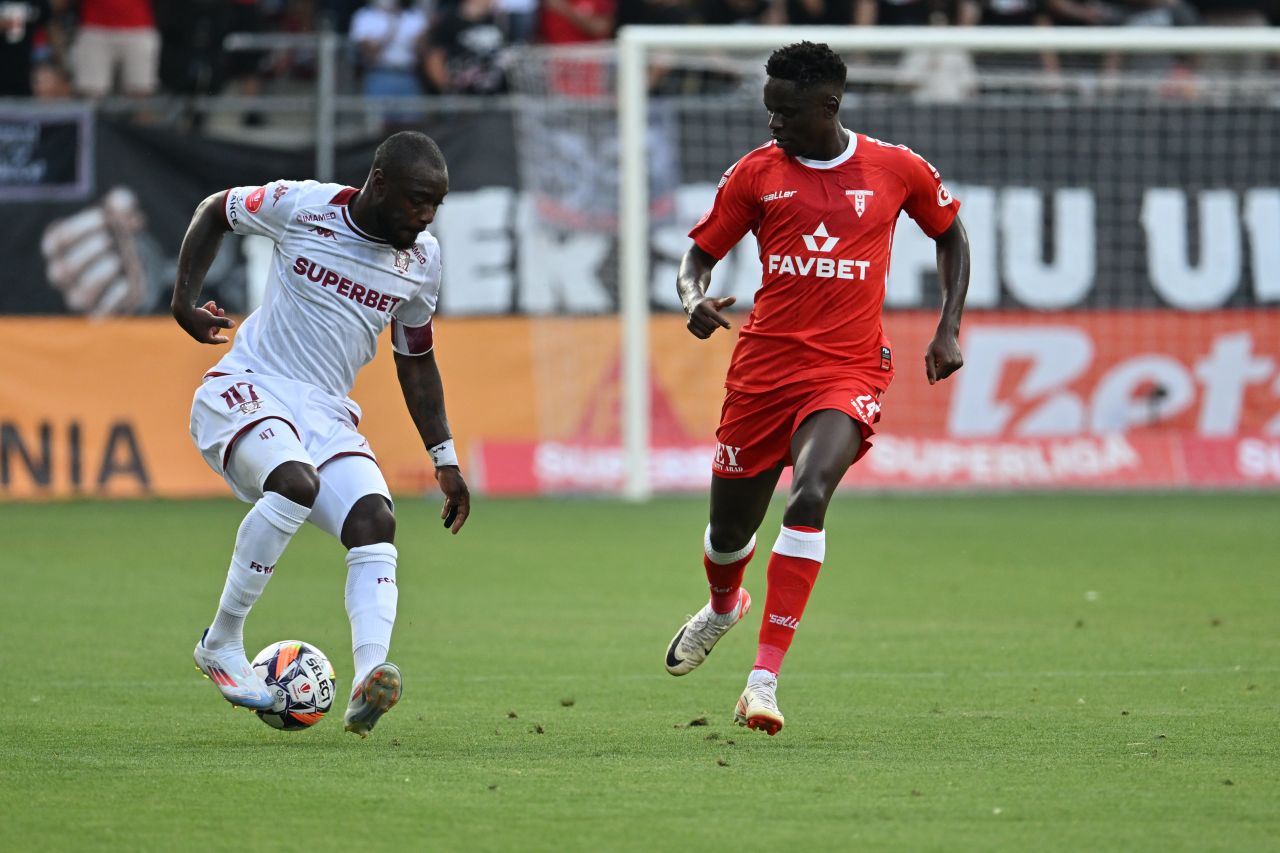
[[1091, 398]]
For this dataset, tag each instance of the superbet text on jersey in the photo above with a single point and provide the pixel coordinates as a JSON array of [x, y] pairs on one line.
[[333, 288], [825, 231]]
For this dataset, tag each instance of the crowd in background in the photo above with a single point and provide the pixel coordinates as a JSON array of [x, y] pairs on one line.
[[93, 48]]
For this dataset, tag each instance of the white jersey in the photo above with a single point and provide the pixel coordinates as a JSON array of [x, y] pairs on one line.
[[332, 290]]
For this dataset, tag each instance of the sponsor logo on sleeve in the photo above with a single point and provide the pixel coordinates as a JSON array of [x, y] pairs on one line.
[[254, 201], [944, 197]]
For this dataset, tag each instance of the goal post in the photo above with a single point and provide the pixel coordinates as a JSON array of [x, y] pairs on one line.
[[1215, 95]]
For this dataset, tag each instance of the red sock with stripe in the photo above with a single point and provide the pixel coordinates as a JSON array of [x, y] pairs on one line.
[[724, 572], [793, 568]]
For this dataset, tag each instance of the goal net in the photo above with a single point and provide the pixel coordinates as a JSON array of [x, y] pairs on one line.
[[1121, 191]]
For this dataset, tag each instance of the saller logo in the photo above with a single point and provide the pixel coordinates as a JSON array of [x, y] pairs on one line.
[[785, 621]]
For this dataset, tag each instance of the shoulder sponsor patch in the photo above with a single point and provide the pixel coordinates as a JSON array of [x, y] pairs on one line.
[[254, 202]]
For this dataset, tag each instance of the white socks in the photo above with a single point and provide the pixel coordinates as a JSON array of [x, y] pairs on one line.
[[263, 536], [371, 604]]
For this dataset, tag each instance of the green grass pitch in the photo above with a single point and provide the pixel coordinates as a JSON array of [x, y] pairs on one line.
[[973, 673]]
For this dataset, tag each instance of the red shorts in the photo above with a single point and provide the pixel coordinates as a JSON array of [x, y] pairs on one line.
[[755, 429]]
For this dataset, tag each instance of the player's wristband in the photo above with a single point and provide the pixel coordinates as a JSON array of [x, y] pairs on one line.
[[444, 454]]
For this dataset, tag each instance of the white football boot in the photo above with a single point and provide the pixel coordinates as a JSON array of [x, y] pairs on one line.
[[374, 696], [228, 668], [693, 642], [758, 706]]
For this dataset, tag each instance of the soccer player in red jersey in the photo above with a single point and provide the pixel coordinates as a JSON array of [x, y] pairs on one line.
[[811, 362]]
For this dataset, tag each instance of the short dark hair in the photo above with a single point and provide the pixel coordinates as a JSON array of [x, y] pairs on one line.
[[807, 64], [399, 151]]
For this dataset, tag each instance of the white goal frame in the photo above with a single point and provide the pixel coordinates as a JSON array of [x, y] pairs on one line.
[[634, 46]]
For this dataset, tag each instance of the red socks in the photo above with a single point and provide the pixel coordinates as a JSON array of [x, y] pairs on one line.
[[724, 573], [793, 568]]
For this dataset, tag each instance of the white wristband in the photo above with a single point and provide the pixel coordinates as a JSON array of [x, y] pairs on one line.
[[444, 454]]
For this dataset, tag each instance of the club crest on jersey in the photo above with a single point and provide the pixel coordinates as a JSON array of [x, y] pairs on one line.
[[402, 262], [859, 200], [324, 232]]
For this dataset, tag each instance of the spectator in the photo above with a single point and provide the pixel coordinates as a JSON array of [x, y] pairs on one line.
[[466, 50], [866, 13], [817, 13], [19, 23], [573, 21], [387, 34], [116, 36], [1011, 13], [521, 19], [1159, 13], [724, 12], [1088, 13], [652, 12]]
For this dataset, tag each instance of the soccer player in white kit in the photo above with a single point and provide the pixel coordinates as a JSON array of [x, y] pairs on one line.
[[273, 418]]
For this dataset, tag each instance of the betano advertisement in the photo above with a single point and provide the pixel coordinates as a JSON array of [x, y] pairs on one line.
[[1087, 399]]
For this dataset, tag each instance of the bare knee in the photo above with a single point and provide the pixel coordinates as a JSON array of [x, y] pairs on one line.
[[727, 537], [296, 481], [369, 522], [806, 506]]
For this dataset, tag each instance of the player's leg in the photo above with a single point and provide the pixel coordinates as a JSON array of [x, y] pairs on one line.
[[823, 447], [355, 506], [286, 486], [738, 506]]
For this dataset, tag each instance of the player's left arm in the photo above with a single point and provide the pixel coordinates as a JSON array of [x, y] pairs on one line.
[[943, 357], [423, 391], [936, 211]]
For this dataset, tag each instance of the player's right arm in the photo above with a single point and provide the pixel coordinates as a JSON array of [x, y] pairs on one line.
[[692, 282], [733, 213], [199, 248]]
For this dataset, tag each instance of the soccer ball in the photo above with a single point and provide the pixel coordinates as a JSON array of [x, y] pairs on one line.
[[306, 681]]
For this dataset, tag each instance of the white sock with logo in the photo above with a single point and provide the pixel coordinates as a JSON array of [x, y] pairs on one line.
[[371, 604], [262, 538]]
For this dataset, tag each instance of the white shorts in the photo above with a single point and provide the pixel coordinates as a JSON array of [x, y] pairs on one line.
[[247, 424]]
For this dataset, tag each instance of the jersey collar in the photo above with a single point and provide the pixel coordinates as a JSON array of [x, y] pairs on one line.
[[841, 158], [343, 199]]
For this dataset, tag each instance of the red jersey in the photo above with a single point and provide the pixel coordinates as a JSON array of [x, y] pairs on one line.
[[825, 229]]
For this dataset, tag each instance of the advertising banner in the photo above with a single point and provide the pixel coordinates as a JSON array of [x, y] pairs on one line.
[[1153, 399], [1168, 217]]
